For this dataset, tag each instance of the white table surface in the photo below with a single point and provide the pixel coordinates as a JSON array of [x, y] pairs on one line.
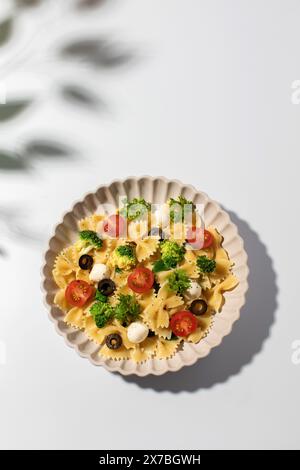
[[205, 98]]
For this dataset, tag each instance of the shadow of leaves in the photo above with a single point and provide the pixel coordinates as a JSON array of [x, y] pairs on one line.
[[20, 162], [79, 95], [46, 149], [97, 52], [28, 3], [12, 109], [82, 4], [10, 161], [6, 28]]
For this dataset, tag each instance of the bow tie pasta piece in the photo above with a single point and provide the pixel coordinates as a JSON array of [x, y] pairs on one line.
[[143, 351], [91, 222], [223, 266], [204, 324], [146, 248], [157, 313], [75, 317], [191, 269], [65, 263], [124, 351], [216, 299], [82, 275], [195, 336], [99, 334], [60, 300], [116, 354], [93, 332], [166, 349], [61, 280], [103, 254], [120, 279], [65, 267], [146, 298], [165, 333]]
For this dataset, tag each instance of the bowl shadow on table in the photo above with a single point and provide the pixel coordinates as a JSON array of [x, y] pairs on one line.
[[248, 334]]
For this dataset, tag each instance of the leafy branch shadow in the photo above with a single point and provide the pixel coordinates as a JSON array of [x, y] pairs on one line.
[[96, 53]]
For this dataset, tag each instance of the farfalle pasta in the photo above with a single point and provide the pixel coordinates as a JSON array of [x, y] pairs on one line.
[[141, 283]]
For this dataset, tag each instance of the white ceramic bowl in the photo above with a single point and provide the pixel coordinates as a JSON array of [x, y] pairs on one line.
[[156, 190]]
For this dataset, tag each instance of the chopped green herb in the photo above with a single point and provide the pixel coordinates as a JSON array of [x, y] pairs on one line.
[[179, 281], [205, 264], [100, 297], [126, 250], [118, 270], [102, 313], [127, 309], [135, 209], [91, 238], [178, 208], [159, 265]]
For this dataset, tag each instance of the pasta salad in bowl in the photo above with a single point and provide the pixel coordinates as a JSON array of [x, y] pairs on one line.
[[138, 276]]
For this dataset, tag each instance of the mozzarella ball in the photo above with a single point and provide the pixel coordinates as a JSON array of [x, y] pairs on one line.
[[99, 271], [162, 216], [137, 332], [194, 291]]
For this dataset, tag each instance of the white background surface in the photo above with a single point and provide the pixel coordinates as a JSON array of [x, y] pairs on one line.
[[207, 100]]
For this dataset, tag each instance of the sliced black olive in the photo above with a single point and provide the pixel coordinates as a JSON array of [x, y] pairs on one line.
[[157, 232], [198, 307], [106, 287], [113, 341], [156, 287], [151, 333], [86, 262]]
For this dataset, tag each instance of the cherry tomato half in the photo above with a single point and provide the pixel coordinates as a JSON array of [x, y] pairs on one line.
[[114, 226], [198, 238], [78, 293], [140, 280], [183, 323]]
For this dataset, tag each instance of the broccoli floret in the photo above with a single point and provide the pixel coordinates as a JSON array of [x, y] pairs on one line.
[[171, 253], [102, 313], [205, 264], [92, 238], [100, 297], [178, 281], [159, 266], [126, 250], [178, 208], [127, 309], [124, 256], [135, 209]]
